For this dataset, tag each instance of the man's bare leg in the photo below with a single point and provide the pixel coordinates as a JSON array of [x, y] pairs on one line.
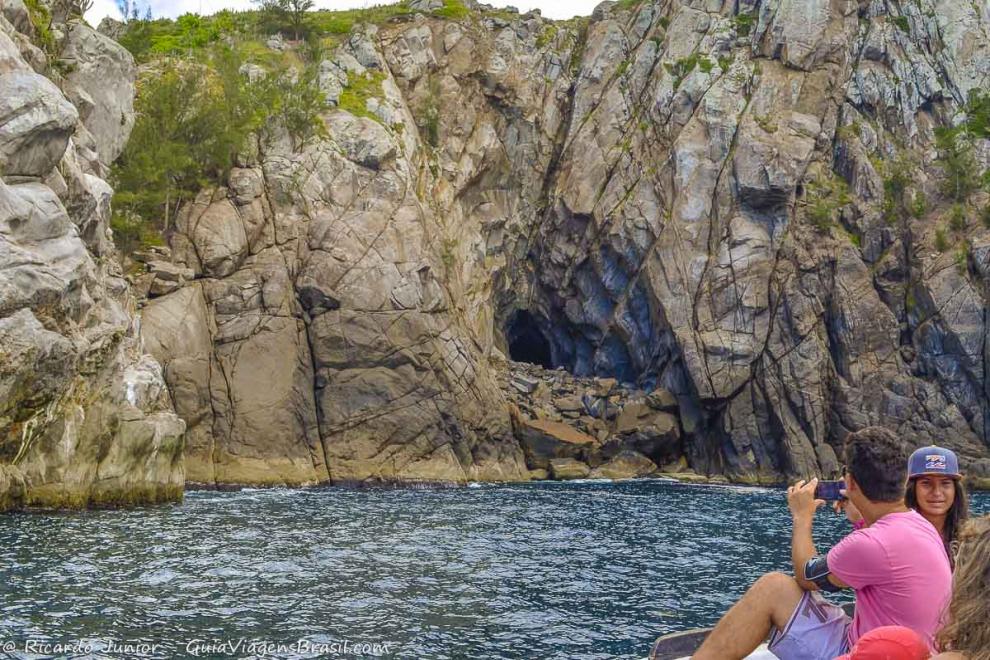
[[769, 602]]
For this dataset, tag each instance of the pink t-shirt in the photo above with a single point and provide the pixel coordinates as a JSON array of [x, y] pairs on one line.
[[900, 572]]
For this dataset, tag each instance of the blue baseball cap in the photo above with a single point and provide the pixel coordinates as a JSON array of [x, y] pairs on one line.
[[933, 460]]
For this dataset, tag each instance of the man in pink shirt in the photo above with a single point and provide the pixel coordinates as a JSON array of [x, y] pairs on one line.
[[896, 564]]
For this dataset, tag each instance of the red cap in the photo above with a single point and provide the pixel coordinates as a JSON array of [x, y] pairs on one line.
[[889, 643]]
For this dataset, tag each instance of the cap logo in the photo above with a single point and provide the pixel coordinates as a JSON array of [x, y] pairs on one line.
[[934, 462]]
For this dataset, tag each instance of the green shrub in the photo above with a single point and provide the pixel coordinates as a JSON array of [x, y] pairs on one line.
[[985, 216], [725, 61], [343, 21], [849, 131], [192, 121], [955, 149], [919, 204], [289, 17], [622, 68], [910, 302], [957, 218], [547, 35], [453, 10], [705, 64], [825, 198], [41, 19], [664, 22], [978, 113], [820, 214], [766, 123], [681, 68], [743, 24], [941, 240], [428, 117], [962, 259], [359, 89], [132, 233], [296, 102], [189, 35], [448, 256], [896, 181], [902, 23]]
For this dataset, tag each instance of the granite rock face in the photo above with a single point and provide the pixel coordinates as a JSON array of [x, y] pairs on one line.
[[85, 417], [694, 199], [318, 341]]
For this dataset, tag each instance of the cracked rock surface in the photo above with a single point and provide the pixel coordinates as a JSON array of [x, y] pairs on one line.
[[639, 196], [85, 416]]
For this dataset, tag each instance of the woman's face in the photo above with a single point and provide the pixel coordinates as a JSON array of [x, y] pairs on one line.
[[935, 494]]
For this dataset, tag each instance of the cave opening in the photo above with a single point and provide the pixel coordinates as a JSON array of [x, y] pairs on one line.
[[526, 340]]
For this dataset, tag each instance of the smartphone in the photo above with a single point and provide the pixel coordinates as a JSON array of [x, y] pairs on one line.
[[829, 490]]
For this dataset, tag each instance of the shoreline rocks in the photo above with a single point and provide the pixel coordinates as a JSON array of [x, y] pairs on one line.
[[595, 422]]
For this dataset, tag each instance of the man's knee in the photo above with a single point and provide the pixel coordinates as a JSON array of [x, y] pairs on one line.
[[776, 583]]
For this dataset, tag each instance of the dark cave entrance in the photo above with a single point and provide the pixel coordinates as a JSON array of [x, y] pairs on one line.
[[527, 343]]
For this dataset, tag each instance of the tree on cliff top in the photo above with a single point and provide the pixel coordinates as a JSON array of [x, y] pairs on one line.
[[193, 119], [284, 15]]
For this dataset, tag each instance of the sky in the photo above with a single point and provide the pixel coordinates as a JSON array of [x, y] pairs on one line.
[[172, 8]]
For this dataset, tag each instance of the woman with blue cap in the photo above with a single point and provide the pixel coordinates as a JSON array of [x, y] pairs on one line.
[[935, 490]]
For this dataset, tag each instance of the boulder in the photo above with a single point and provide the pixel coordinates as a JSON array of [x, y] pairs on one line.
[[112, 28], [364, 141], [167, 277], [215, 236], [100, 83], [571, 404], [543, 440], [425, 5], [524, 383], [568, 468], [661, 399], [36, 122], [641, 428], [17, 13], [627, 464]]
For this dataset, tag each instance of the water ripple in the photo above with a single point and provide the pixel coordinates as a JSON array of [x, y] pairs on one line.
[[579, 570]]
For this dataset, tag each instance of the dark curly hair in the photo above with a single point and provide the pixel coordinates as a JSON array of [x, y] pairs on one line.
[[878, 462]]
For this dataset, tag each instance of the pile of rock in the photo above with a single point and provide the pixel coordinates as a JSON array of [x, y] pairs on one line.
[[160, 276], [572, 427]]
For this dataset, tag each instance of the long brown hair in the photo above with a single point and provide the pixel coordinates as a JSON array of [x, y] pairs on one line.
[[954, 519], [968, 627]]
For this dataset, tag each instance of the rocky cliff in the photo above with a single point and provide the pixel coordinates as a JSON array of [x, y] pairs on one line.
[[751, 222], [721, 201], [85, 416]]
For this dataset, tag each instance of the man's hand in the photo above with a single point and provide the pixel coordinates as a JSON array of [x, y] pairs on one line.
[[852, 513], [801, 500]]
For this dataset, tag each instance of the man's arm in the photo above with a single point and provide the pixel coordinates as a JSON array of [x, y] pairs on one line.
[[802, 503], [802, 550]]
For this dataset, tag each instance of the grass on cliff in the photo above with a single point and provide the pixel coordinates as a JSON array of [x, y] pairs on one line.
[[41, 20], [358, 91], [190, 34]]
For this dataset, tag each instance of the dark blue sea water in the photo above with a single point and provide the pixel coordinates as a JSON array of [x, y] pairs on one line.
[[576, 570]]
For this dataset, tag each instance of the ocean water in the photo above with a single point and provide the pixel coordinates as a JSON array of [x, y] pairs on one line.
[[574, 569]]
